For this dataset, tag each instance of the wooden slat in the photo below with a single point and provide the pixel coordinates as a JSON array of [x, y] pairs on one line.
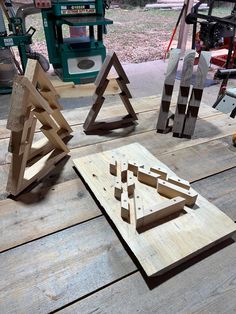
[[184, 88], [196, 96], [168, 90], [43, 211], [44, 275], [206, 287]]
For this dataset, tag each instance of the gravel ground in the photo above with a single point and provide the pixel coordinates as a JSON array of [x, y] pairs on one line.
[[136, 35]]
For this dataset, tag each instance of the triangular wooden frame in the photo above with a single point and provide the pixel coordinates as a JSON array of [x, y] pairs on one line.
[[34, 98], [101, 84]]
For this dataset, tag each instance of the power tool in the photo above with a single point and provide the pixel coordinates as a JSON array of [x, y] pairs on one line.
[[75, 58]]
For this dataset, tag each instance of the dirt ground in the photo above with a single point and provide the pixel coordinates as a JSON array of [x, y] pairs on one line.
[[136, 35]]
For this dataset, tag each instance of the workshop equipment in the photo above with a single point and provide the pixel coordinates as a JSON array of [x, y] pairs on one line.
[[18, 37], [227, 102], [76, 59], [215, 32]]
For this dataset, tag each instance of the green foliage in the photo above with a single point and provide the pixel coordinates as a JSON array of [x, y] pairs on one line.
[[134, 3]]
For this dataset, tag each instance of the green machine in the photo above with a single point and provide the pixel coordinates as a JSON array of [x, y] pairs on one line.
[[76, 58]]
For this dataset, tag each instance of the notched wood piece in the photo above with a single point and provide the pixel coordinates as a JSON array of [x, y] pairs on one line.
[[138, 210], [171, 190], [180, 182], [134, 166], [130, 183], [148, 177], [125, 206], [118, 189], [160, 211], [161, 171], [113, 166], [123, 170]]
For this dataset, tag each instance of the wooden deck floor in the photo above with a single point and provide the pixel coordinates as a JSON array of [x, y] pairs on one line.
[[59, 252]]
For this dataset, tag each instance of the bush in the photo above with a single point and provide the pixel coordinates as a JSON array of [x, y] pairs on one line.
[[135, 3]]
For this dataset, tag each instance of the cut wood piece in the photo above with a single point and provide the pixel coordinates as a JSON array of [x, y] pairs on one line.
[[31, 162], [123, 170], [180, 182], [125, 207], [168, 90], [148, 177], [118, 189], [168, 244], [182, 101], [138, 210], [171, 190], [162, 172], [134, 166], [98, 98], [113, 166], [196, 96], [155, 213], [130, 183]]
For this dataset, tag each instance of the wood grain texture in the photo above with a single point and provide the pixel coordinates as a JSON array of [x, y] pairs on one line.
[[168, 90], [184, 88], [44, 275], [196, 96], [38, 213], [206, 287], [203, 226]]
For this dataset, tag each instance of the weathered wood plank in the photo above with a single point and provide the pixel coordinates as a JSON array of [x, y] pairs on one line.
[[206, 287], [46, 274], [220, 189], [41, 212], [211, 127]]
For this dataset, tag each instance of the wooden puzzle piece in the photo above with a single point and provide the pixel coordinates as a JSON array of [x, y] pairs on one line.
[[151, 215], [130, 183], [125, 206], [148, 177], [180, 182], [160, 171], [171, 190], [134, 166], [113, 166]]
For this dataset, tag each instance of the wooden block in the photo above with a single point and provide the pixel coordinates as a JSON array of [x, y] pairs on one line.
[[148, 177], [45, 118], [138, 210], [162, 172], [160, 211], [185, 82], [180, 182], [130, 183], [125, 207], [168, 89], [134, 166], [123, 170], [113, 166], [118, 189], [54, 138], [171, 190]]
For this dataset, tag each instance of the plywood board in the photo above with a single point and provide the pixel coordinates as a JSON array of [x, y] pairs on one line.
[[168, 244]]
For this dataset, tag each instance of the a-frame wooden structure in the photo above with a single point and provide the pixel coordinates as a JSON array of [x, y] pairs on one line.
[[101, 84], [34, 99]]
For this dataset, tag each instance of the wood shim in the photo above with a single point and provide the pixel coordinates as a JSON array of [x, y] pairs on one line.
[[166, 245], [34, 98], [101, 84]]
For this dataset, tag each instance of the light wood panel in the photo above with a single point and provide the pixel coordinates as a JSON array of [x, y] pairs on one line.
[[203, 226], [206, 287], [44, 275]]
